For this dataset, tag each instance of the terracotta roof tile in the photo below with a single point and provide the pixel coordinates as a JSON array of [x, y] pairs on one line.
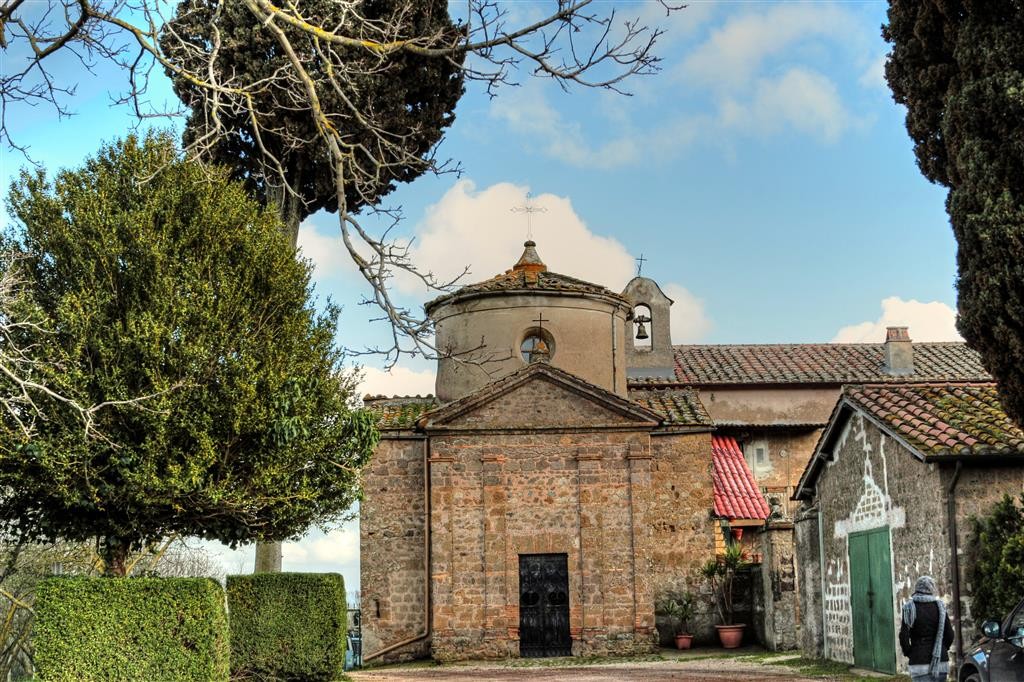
[[678, 406], [942, 419], [736, 493], [820, 363], [529, 275], [400, 412]]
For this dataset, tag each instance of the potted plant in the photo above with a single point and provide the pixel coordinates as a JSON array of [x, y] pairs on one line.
[[678, 610], [720, 573]]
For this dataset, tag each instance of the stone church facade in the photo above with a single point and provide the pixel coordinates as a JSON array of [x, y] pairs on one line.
[[575, 466]]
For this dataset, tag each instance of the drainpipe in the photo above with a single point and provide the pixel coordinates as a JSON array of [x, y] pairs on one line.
[[955, 559], [615, 350], [821, 575], [426, 562]]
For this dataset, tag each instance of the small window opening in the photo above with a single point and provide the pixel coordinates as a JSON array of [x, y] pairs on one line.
[[642, 327], [376, 607], [538, 346]]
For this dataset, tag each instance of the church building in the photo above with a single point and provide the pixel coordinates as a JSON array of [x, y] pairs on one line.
[[575, 466]]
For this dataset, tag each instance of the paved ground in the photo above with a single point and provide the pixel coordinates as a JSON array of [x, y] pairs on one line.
[[695, 671], [692, 669]]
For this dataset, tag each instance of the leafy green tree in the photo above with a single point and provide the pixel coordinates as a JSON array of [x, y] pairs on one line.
[[178, 306], [958, 66], [996, 570], [388, 111]]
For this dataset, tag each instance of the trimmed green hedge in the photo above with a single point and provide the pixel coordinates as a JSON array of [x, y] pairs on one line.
[[128, 629], [287, 626]]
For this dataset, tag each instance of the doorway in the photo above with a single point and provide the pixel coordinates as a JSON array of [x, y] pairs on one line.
[[544, 605], [874, 627]]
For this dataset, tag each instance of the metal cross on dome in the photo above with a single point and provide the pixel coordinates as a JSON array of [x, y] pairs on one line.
[[640, 265], [529, 209], [540, 320]]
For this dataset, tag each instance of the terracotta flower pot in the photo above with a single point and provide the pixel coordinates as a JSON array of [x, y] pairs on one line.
[[731, 636], [684, 641]]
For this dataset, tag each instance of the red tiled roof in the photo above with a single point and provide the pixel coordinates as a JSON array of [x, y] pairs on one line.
[[399, 412], [529, 275], [949, 419], [817, 363], [736, 493], [679, 406]]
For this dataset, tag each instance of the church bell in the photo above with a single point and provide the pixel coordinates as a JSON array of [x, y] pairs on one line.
[[641, 331]]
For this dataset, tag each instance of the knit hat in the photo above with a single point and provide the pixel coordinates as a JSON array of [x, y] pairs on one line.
[[925, 585]]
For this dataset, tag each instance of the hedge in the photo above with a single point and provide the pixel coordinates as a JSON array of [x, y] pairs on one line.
[[287, 626], [128, 629]]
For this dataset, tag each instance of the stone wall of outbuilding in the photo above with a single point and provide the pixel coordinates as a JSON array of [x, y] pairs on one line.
[[391, 545], [872, 482], [978, 488], [875, 481]]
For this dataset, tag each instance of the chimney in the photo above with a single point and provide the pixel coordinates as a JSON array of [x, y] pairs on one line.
[[899, 352]]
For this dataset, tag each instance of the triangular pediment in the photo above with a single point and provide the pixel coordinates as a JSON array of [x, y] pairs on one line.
[[540, 397]]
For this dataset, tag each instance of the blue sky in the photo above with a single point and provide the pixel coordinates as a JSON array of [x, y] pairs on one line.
[[765, 174]]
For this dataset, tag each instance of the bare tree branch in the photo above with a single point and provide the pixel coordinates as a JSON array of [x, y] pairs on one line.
[[332, 59]]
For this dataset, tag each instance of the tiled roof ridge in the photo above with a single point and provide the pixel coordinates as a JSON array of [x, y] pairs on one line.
[[382, 396], [827, 344], [916, 383], [535, 282]]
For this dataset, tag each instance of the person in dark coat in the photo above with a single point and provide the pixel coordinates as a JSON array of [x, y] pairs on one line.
[[926, 633]]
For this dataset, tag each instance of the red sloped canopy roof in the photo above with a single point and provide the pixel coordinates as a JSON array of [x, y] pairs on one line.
[[736, 493]]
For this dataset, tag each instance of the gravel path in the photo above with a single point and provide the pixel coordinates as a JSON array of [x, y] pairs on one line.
[[692, 671]]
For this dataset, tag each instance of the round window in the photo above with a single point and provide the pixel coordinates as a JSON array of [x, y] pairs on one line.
[[537, 346]]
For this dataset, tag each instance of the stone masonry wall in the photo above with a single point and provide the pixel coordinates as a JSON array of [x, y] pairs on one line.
[[778, 586], [977, 490], [807, 547], [391, 545], [788, 454], [683, 535], [496, 496], [875, 482]]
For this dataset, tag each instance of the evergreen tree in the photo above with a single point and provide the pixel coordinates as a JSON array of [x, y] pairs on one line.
[[389, 109], [174, 302], [996, 568], [958, 66]]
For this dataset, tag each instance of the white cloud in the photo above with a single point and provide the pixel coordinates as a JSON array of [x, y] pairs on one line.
[[528, 112], [874, 75], [735, 54], [688, 321], [933, 321], [397, 381], [478, 229], [801, 99], [325, 249], [338, 547], [489, 237]]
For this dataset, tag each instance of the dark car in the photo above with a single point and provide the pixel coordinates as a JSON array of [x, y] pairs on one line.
[[999, 656]]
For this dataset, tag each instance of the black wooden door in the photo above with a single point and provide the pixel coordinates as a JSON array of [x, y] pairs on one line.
[[544, 605]]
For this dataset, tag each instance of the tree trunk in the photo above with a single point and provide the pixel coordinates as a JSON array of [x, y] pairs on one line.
[[268, 554], [268, 557], [114, 552]]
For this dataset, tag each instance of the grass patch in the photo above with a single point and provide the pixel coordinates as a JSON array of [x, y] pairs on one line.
[[816, 667]]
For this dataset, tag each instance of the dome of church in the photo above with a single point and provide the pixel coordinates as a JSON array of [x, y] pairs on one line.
[[528, 314], [529, 274]]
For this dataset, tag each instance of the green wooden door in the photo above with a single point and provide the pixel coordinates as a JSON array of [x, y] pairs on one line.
[[874, 634]]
